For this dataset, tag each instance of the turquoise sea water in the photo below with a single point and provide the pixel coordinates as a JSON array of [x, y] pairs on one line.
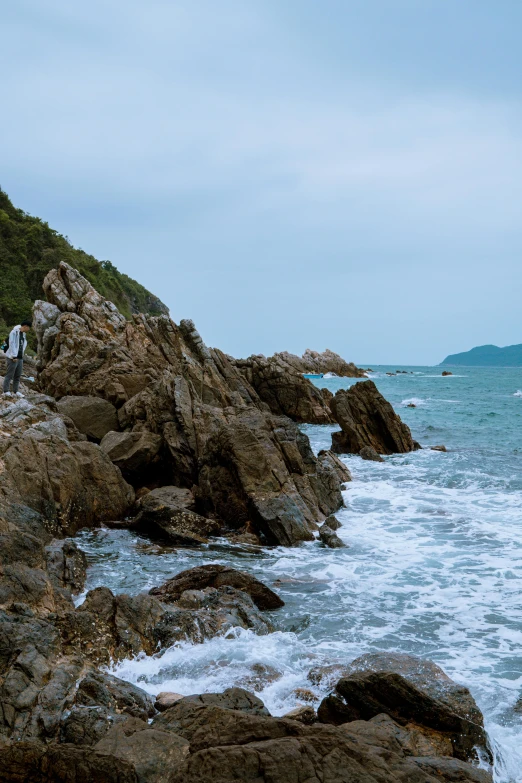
[[433, 565]]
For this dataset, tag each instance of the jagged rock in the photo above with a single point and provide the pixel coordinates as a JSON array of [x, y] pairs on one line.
[[327, 396], [315, 362], [409, 690], [369, 453], [93, 416], [166, 513], [367, 419], [284, 389], [166, 699], [261, 469], [132, 452], [330, 538], [218, 576], [163, 379]]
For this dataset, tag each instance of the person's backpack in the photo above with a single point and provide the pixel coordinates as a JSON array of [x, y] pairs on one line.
[[5, 345]]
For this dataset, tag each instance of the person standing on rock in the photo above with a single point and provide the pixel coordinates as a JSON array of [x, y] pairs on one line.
[[15, 357]]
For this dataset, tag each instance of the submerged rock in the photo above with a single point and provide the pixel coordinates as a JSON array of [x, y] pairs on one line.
[[368, 420], [369, 453], [330, 538]]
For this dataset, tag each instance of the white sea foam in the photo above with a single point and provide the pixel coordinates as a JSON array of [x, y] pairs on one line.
[[518, 393], [417, 401]]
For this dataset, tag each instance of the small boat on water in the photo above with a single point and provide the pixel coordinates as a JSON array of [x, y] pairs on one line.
[[313, 375]]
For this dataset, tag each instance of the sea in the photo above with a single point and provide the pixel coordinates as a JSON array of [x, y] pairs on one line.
[[432, 564]]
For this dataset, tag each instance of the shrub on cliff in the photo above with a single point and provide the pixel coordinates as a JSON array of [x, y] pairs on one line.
[[29, 248]]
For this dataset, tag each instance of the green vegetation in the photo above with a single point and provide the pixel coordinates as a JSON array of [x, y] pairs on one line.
[[488, 356], [29, 249]]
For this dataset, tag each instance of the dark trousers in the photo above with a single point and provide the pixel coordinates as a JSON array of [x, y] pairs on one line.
[[13, 373]]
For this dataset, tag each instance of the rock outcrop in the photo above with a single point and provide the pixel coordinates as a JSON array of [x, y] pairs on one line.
[[93, 416], [284, 389], [315, 362], [414, 693], [368, 420], [216, 433]]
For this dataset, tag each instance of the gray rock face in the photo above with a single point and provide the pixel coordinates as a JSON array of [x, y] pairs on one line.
[[93, 416], [213, 575], [368, 420], [330, 538]]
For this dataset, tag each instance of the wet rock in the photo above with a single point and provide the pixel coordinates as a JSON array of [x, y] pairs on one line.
[[409, 690], [369, 453], [202, 614], [212, 575], [367, 419], [439, 448], [306, 715], [99, 689], [446, 372], [132, 452], [411, 405], [332, 522], [87, 725], [166, 699], [261, 675], [325, 362], [305, 694], [330, 538], [93, 416]]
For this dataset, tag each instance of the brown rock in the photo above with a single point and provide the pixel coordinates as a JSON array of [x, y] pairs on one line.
[[165, 513], [367, 419], [439, 448], [410, 691], [218, 576], [93, 416], [330, 538], [446, 372]]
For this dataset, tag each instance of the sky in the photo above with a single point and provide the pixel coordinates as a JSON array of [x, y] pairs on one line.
[[290, 174]]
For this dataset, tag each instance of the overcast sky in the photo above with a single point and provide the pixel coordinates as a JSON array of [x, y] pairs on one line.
[[287, 173]]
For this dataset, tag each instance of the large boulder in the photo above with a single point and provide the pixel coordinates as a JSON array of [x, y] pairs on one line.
[[412, 692], [93, 416], [367, 419], [214, 575]]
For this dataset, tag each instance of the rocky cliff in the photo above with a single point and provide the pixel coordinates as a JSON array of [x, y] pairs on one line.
[[141, 424]]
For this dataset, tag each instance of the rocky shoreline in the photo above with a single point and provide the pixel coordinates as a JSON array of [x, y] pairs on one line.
[[140, 425]]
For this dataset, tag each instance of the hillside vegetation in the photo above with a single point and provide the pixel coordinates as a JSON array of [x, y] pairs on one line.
[[29, 248], [488, 356]]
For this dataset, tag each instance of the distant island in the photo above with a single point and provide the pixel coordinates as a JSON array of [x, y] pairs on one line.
[[488, 356]]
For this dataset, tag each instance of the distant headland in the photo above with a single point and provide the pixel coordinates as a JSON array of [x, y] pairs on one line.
[[488, 356]]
